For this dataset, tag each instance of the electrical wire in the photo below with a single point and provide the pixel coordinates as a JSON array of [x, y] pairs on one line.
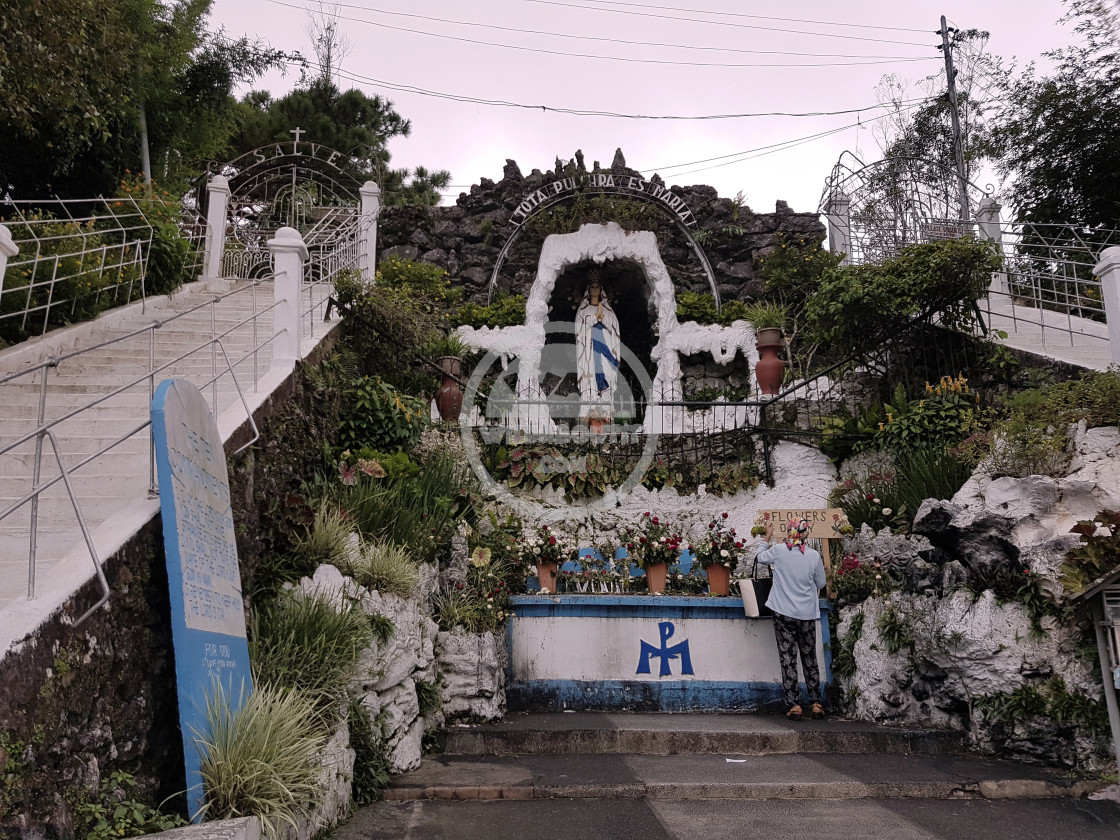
[[755, 17], [602, 39], [726, 23], [624, 59], [579, 112]]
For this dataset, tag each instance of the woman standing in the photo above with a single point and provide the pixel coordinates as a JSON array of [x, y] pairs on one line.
[[798, 576]]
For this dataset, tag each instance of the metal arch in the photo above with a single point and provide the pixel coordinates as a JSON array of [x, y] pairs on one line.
[[544, 205]]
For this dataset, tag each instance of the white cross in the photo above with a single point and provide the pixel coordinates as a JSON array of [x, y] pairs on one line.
[[297, 131]]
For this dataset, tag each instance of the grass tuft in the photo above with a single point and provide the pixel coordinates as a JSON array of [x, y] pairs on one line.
[[263, 759]]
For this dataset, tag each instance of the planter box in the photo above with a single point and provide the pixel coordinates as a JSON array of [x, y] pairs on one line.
[[651, 653]]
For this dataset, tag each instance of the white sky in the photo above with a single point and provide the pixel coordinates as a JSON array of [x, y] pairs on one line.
[[473, 140]]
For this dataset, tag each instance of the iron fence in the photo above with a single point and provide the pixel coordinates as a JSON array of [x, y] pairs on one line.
[[78, 258]]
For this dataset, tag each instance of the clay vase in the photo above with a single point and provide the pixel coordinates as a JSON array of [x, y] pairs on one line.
[[449, 397], [546, 574], [719, 579], [655, 577], [770, 370]]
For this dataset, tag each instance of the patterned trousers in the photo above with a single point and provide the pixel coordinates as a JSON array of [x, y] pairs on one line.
[[793, 635]]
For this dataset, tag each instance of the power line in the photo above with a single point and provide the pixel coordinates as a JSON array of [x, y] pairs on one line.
[[755, 17], [598, 38], [726, 23], [625, 59], [578, 112]]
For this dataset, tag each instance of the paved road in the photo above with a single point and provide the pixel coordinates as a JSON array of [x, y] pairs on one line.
[[621, 819]]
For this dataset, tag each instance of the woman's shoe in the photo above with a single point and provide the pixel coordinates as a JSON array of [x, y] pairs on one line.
[[817, 711], [794, 713]]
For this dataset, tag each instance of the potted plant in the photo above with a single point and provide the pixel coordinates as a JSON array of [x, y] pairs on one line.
[[448, 351], [653, 545], [768, 319], [717, 552], [549, 551]]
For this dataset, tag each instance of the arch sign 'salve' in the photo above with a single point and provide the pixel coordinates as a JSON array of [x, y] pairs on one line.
[[606, 183]]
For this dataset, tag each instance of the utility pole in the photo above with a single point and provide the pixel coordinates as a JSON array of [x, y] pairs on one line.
[[958, 145]]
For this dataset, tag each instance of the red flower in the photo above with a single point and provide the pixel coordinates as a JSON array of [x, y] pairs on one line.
[[724, 514], [552, 540], [655, 520]]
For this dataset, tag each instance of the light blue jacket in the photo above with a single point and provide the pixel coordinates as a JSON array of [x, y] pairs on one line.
[[798, 579]]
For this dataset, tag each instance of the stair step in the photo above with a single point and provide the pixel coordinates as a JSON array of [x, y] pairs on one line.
[[603, 733], [731, 776]]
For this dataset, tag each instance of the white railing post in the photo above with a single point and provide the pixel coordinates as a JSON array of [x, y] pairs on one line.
[[217, 206], [840, 226], [288, 257], [1108, 270], [367, 227], [991, 229], [8, 248]]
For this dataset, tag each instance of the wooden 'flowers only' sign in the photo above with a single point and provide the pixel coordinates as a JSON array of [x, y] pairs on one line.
[[824, 523]]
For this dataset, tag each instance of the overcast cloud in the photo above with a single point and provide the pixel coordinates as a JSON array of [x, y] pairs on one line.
[[669, 73]]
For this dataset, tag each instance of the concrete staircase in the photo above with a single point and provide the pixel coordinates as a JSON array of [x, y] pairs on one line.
[[114, 481], [620, 775]]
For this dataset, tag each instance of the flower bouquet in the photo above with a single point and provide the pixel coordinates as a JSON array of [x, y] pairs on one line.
[[549, 551], [653, 545], [717, 551]]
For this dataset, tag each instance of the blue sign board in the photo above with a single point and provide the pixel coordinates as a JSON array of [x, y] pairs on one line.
[[207, 613]]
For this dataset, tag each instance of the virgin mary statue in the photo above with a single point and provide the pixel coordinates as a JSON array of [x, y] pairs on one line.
[[597, 354]]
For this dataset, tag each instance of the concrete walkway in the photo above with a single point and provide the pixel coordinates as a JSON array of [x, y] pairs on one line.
[[615, 775]]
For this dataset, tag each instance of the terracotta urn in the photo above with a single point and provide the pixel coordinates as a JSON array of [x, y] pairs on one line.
[[770, 370], [449, 397], [719, 579], [655, 577]]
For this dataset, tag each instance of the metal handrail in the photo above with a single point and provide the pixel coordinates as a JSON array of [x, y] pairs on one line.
[[45, 428]]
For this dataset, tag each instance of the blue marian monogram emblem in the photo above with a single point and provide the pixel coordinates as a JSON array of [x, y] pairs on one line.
[[665, 653]]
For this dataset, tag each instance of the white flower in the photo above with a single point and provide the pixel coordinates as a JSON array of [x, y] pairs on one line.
[[723, 553], [886, 511], [878, 577], [876, 501], [536, 550]]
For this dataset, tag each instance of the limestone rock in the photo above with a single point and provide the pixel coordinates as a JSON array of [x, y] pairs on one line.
[[473, 673], [383, 667], [405, 755], [400, 707]]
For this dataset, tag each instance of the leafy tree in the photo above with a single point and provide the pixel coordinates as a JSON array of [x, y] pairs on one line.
[[351, 122], [75, 75], [1057, 135]]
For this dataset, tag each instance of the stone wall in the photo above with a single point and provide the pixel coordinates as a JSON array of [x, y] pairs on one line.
[[934, 653], [465, 238]]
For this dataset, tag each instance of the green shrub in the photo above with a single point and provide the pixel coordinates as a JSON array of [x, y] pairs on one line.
[[894, 631], [430, 697], [328, 540], [308, 644], [856, 306], [701, 308], [382, 417], [854, 580], [420, 280], [263, 759], [504, 311], [115, 813], [372, 762], [844, 663], [1096, 556], [386, 567], [946, 415], [417, 513]]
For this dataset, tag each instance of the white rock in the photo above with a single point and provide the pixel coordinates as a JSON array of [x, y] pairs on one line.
[[401, 708], [473, 673], [384, 666], [405, 755]]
